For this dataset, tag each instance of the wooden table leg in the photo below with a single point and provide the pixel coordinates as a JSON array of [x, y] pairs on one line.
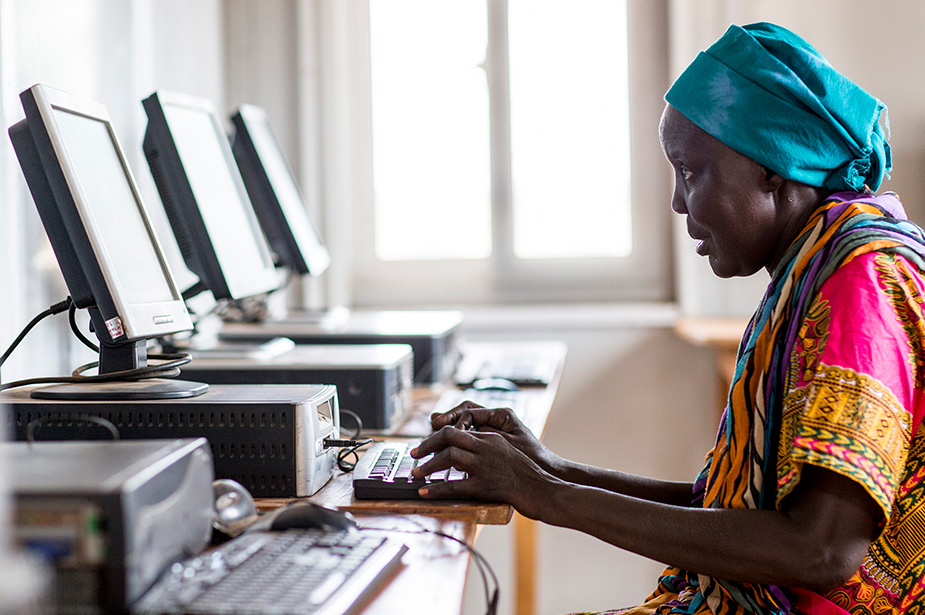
[[525, 565]]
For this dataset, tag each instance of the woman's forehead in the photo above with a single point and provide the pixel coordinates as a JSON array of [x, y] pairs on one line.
[[684, 141], [677, 133]]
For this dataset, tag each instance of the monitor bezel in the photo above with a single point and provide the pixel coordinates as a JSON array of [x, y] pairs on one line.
[[68, 219], [271, 211], [179, 199]]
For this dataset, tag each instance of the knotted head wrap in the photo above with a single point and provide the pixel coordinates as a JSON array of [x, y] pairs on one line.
[[768, 94]]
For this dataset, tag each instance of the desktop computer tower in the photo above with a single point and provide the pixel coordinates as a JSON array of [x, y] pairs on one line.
[[109, 516], [432, 334], [374, 381], [269, 438]]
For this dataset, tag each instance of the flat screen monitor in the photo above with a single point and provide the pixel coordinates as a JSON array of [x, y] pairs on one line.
[[275, 194], [212, 217], [93, 214]]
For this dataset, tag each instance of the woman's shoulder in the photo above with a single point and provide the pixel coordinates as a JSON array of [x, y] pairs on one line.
[[875, 264]]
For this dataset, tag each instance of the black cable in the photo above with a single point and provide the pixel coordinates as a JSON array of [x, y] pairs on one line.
[[72, 319], [336, 443], [172, 367], [343, 463], [169, 369], [348, 446], [356, 419], [193, 290], [57, 308], [485, 570]]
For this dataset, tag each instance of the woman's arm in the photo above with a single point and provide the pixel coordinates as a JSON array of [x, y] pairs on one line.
[[674, 493], [503, 421], [817, 541]]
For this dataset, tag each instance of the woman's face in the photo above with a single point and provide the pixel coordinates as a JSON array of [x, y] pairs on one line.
[[730, 200]]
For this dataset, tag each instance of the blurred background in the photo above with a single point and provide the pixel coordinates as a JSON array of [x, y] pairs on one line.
[[499, 157]]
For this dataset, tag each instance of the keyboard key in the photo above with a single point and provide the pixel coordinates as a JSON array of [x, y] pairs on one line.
[[398, 483]]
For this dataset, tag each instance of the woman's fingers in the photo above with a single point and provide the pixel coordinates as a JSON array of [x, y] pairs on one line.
[[447, 436], [452, 457], [500, 419]]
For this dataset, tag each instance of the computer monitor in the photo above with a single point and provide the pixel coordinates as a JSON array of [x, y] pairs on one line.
[[202, 191], [96, 222], [275, 194]]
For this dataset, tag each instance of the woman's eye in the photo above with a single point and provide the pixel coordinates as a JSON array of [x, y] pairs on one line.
[[686, 173]]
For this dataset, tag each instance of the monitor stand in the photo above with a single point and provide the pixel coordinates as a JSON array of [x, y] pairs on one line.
[[121, 357], [149, 388]]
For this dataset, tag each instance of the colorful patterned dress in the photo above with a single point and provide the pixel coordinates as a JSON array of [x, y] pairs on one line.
[[830, 372]]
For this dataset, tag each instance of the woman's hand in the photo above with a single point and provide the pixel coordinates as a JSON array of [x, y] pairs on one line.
[[503, 421], [497, 471]]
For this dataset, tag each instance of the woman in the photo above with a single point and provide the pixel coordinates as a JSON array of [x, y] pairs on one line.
[[812, 499]]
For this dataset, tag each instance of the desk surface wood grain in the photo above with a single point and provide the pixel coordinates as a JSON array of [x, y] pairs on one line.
[[432, 576]]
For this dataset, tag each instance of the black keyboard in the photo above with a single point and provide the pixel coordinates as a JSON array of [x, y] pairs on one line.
[[384, 473], [521, 368], [276, 573]]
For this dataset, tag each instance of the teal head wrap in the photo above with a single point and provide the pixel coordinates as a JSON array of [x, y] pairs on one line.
[[766, 93]]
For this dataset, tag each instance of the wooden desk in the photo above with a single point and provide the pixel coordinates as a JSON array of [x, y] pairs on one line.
[[433, 577], [433, 573]]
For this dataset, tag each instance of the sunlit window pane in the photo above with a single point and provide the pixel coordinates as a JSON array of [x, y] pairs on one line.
[[569, 123], [430, 129]]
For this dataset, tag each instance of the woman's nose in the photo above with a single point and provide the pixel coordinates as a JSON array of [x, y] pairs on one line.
[[677, 203]]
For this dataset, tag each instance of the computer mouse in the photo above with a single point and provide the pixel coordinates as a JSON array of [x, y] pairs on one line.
[[233, 508], [495, 384], [306, 515]]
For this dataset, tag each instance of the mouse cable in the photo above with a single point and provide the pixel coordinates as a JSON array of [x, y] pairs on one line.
[[484, 568], [52, 310]]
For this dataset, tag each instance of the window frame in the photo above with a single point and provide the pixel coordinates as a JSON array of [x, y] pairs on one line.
[[645, 275]]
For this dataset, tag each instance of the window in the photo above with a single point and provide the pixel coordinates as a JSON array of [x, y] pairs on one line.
[[430, 122], [499, 152]]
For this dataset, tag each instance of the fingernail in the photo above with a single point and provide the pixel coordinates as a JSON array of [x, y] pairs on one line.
[[414, 452]]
